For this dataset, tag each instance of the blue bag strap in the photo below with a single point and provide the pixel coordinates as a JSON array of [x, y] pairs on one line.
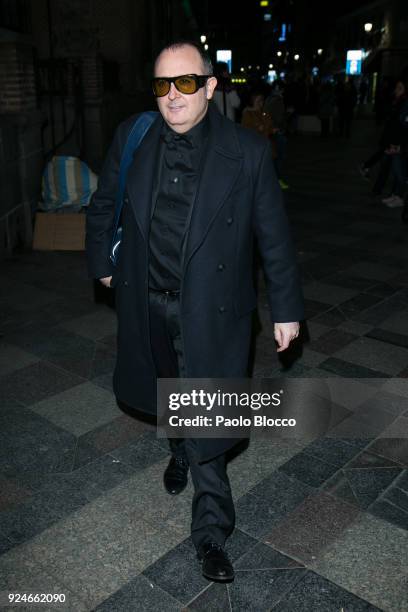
[[135, 137]]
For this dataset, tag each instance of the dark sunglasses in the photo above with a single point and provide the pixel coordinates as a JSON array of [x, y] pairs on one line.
[[185, 84]]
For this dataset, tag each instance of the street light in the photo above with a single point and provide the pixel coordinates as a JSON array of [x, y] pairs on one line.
[[242, 69], [270, 66], [203, 38], [296, 57], [206, 47], [319, 51], [279, 53], [368, 27]]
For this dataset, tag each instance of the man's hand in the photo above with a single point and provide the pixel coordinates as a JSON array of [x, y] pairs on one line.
[[106, 281], [285, 333]]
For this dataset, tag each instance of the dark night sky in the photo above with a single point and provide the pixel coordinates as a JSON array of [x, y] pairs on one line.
[[233, 12]]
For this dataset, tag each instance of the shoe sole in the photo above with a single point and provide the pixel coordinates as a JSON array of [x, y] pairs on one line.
[[218, 578]]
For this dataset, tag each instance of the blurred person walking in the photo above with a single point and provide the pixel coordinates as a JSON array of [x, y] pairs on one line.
[[346, 103], [225, 96], [275, 107]]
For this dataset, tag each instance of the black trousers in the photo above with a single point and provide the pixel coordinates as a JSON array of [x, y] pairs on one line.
[[213, 513]]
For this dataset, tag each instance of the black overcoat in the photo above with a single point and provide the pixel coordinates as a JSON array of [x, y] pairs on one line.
[[238, 196]]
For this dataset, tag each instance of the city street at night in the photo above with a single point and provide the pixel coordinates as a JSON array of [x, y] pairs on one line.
[[204, 306], [319, 525]]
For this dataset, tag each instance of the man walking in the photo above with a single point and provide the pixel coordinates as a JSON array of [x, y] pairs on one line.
[[198, 190]]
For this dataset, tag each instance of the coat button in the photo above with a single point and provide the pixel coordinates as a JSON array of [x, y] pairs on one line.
[[126, 283], [221, 309], [221, 267], [230, 220]]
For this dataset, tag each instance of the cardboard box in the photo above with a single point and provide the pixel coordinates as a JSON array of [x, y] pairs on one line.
[[59, 232]]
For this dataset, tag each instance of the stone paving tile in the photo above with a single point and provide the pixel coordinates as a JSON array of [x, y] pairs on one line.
[[30, 518], [370, 560], [314, 331], [102, 362], [332, 294], [349, 281], [368, 484], [350, 392], [344, 368], [389, 512], [376, 315], [94, 478], [80, 409], [389, 401], [269, 502], [375, 355], [116, 433], [356, 432], [263, 557], [36, 382], [140, 454], [374, 415], [31, 444], [358, 304], [141, 595], [332, 341], [308, 469], [330, 318], [393, 442], [15, 293], [396, 323], [388, 337], [12, 492], [93, 326], [215, 598], [143, 495], [313, 526], [314, 307], [335, 452], [384, 289], [371, 271], [262, 577], [397, 496], [59, 347], [96, 550], [354, 327], [315, 593], [12, 358], [178, 573], [262, 458]]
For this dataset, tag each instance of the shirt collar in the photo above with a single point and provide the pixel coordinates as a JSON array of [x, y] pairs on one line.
[[195, 136]]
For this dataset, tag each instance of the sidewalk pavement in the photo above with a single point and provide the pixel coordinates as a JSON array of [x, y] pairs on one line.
[[320, 525]]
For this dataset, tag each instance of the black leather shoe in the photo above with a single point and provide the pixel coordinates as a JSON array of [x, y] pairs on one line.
[[175, 475], [216, 565]]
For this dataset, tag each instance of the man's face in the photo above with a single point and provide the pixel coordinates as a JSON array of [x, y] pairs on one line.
[[183, 111]]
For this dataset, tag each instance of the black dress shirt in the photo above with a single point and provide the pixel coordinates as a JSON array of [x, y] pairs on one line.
[[178, 176]]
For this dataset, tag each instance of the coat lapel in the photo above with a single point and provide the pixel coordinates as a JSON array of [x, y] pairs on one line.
[[220, 170], [140, 179]]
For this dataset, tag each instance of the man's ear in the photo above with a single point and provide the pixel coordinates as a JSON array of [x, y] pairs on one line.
[[210, 86]]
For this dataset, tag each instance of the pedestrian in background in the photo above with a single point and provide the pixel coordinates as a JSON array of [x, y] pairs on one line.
[[275, 107], [225, 96]]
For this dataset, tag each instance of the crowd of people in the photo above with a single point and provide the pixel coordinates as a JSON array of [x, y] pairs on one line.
[[272, 110]]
